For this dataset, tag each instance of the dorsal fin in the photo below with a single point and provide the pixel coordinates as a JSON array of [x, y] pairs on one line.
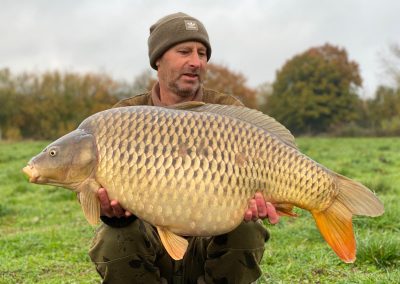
[[251, 116]]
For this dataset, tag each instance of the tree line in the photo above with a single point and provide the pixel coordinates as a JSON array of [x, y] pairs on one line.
[[315, 92], [46, 106]]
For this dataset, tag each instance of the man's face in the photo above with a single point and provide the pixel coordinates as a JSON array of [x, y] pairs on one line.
[[182, 68]]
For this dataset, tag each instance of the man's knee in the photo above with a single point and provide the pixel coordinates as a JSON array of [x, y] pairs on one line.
[[122, 253], [235, 256], [248, 235], [119, 242]]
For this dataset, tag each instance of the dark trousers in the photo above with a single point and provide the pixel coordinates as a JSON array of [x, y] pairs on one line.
[[134, 254]]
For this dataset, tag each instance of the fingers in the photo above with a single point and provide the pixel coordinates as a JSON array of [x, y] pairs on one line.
[[105, 206], [251, 212], [110, 208], [273, 216], [117, 209], [261, 206], [253, 209], [258, 208], [248, 215]]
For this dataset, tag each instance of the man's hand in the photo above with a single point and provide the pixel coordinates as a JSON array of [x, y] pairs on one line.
[[110, 208], [259, 209]]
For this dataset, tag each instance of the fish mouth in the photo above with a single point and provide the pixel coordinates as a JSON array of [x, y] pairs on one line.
[[32, 173]]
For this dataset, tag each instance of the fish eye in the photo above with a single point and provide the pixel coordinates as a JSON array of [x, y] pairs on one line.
[[53, 153]]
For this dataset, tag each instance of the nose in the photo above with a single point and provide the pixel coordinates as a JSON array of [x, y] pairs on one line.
[[195, 60]]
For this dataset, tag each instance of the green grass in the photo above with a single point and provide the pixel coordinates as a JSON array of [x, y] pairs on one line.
[[296, 253], [44, 237]]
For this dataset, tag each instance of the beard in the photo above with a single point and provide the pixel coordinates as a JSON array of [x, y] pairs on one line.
[[189, 90], [184, 92]]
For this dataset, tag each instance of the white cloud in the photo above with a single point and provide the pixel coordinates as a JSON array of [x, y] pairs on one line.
[[254, 37]]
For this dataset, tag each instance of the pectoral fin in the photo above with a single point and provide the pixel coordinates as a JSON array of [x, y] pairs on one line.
[[175, 245], [90, 206]]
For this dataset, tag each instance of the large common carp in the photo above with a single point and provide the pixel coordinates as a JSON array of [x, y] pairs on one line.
[[191, 170]]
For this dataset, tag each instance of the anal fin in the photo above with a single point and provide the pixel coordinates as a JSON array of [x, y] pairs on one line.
[[175, 245], [285, 209]]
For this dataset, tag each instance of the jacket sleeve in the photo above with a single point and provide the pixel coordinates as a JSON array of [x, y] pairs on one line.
[[118, 222]]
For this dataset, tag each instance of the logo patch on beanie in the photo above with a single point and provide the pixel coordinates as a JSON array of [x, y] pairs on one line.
[[191, 25]]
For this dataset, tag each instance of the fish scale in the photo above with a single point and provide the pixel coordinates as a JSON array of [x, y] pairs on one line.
[[235, 182], [192, 171]]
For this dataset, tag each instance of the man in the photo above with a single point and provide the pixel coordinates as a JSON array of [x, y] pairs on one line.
[[128, 250]]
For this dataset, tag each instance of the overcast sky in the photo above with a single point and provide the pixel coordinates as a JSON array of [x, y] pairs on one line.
[[254, 37]]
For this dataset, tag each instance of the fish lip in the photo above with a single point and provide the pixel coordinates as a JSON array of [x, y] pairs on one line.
[[31, 172]]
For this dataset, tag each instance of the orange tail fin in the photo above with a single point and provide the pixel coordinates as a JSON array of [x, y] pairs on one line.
[[335, 223], [337, 229]]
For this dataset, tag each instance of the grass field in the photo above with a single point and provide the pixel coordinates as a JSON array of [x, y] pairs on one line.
[[44, 237]]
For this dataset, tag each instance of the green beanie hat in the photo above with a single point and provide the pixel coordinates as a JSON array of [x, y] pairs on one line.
[[173, 29]]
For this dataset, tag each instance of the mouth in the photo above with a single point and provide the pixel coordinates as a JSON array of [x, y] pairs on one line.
[[32, 173], [191, 75]]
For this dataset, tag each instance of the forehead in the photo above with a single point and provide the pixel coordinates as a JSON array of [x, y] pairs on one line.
[[190, 44]]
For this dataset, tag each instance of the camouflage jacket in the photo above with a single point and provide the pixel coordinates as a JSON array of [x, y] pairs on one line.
[[208, 96]]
